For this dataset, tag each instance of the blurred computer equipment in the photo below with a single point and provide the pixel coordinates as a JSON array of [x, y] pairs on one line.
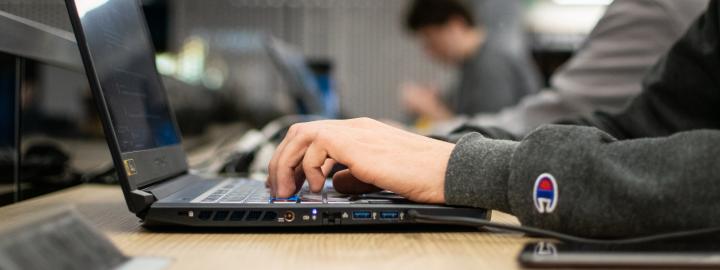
[[302, 84], [50, 136], [61, 238], [9, 127], [221, 69]]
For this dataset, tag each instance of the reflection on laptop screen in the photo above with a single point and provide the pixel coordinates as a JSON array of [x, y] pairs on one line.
[[124, 63]]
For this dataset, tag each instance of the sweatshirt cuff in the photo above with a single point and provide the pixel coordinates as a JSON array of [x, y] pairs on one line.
[[478, 172]]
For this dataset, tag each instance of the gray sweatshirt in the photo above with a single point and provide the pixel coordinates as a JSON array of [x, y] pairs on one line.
[[607, 71], [655, 167]]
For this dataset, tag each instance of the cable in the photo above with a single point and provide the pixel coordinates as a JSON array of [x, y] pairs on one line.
[[465, 221]]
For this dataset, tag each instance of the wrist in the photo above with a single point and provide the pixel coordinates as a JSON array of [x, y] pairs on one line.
[[444, 154], [428, 177]]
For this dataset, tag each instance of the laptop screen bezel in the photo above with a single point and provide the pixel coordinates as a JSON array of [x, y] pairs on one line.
[[138, 169]]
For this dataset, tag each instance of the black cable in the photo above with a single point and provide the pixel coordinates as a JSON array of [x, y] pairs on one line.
[[466, 221]]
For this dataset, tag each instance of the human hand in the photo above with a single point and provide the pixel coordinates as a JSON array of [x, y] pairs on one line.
[[377, 156], [425, 101]]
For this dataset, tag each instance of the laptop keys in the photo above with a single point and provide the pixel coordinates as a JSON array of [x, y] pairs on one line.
[[291, 200], [259, 197], [242, 191], [238, 195], [311, 198]]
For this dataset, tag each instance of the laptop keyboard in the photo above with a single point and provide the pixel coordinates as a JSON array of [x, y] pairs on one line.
[[254, 192], [236, 191], [244, 191]]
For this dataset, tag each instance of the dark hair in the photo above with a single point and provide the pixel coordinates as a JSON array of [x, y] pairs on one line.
[[423, 13]]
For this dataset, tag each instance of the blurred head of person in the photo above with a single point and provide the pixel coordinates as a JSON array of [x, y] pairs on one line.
[[447, 29]]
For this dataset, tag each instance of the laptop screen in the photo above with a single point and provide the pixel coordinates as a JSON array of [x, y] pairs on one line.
[[123, 59]]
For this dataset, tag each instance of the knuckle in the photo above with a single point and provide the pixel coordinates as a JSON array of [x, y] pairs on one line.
[[273, 163], [366, 119], [296, 129], [292, 129]]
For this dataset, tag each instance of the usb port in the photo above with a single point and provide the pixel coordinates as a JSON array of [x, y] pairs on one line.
[[389, 215], [362, 215]]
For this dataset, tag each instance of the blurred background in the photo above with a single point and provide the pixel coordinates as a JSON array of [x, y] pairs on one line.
[[213, 55]]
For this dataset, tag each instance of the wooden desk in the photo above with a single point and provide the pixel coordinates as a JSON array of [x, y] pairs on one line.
[[105, 208]]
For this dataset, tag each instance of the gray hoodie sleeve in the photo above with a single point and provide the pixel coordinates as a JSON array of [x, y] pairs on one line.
[[653, 168], [606, 73], [606, 188]]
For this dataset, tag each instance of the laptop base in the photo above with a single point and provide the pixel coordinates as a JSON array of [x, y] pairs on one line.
[[295, 216]]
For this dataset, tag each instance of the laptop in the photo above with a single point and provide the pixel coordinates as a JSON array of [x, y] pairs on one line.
[[301, 80], [145, 144]]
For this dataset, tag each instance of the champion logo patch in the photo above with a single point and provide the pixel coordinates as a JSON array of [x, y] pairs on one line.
[[545, 194]]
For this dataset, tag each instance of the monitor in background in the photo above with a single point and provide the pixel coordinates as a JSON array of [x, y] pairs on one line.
[[9, 128], [302, 83], [157, 14]]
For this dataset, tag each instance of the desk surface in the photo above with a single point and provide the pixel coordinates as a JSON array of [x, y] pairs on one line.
[[104, 207]]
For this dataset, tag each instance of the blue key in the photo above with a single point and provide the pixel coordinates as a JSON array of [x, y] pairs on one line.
[[293, 199]]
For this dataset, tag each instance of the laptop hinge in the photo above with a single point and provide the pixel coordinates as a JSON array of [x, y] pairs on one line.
[[167, 188], [140, 201]]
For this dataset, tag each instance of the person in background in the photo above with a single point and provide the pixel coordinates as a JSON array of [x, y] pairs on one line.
[[652, 168], [605, 73], [494, 73]]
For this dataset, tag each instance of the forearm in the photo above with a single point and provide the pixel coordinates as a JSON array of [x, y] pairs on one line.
[[680, 92], [605, 187]]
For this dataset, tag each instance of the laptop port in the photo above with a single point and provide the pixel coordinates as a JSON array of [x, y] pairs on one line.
[[289, 216], [389, 215], [362, 215], [331, 218]]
